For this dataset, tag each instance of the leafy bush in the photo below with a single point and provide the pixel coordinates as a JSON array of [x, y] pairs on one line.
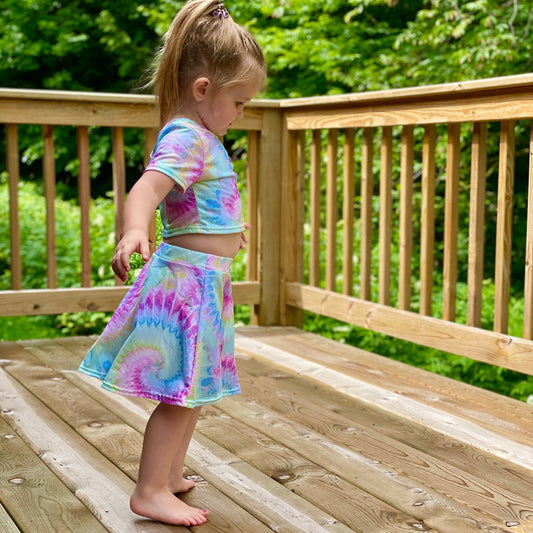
[[33, 239]]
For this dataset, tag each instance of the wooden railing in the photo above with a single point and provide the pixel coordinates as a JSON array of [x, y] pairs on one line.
[[400, 141], [52, 109], [362, 184]]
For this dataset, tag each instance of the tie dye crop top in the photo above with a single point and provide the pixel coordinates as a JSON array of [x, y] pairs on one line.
[[205, 198]]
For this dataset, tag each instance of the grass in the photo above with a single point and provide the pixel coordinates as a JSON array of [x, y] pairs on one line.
[[13, 328]]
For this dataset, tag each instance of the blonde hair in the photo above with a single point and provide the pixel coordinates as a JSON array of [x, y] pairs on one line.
[[202, 43]]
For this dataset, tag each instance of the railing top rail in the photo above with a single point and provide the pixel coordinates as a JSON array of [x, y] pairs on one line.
[[520, 83], [96, 97]]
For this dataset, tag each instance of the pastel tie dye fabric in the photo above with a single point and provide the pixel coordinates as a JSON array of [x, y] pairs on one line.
[[171, 338], [205, 198]]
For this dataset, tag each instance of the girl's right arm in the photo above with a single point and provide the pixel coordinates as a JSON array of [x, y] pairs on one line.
[[141, 204]]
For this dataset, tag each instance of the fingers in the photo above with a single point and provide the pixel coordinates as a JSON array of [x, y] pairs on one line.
[[145, 250], [121, 265], [125, 248]]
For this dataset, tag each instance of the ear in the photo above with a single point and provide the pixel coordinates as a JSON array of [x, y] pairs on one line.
[[200, 87]]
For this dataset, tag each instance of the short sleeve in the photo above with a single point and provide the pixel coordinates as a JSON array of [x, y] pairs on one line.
[[178, 153]]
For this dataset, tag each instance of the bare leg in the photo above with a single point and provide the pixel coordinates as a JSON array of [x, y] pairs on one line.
[[152, 497], [176, 481]]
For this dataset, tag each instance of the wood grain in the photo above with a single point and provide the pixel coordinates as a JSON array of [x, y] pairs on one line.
[[49, 179], [348, 201], [302, 449], [331, 209], [48, 302], [504, 227], [7, 525], [13, 169], [328, 491], [84, 198], [385, 217], [490, 347], [382, 113], [528, 283], [315, 195], [406, 218], [451, 223], [367, 190], [269, 190], [427, 223], [476, 232], [369, 449]]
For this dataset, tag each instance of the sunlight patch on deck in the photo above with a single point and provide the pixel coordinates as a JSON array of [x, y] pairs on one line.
[[454, 427]]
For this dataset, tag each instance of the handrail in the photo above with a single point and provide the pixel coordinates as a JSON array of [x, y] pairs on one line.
[[346, 194], [55, 109], [405, 176]]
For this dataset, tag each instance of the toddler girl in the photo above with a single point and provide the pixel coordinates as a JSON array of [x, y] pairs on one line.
[[171, 338]]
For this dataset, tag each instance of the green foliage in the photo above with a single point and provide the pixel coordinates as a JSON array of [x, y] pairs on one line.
[[33, 240], [313, 47], [82, 323], [451, 40], [316, 47], [13, 328], [101, 46]]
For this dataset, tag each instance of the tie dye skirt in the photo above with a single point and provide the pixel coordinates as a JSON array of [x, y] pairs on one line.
[[171, 338]]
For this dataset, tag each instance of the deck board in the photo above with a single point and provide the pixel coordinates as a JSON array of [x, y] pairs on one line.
[[291, 454]]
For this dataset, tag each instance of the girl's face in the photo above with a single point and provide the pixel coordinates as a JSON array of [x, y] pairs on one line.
[[217, 110]]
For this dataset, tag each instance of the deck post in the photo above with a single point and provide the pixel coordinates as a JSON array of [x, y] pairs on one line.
[[292, 220], [267, 313]]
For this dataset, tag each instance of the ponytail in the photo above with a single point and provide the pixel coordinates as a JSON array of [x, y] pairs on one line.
[[203, 40]]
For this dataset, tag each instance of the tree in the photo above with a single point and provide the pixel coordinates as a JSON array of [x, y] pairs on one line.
[[89, 45], [312, 46]]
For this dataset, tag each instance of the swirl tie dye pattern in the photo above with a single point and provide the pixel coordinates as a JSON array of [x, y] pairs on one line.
[[205, 198], [171, 338]]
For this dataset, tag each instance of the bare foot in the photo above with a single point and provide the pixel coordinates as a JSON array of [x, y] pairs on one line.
[[182, 485], [164, 507]]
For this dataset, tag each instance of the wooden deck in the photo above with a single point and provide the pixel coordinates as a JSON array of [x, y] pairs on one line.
[[324, 438]]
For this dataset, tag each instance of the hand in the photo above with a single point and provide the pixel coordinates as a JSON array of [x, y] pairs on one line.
[[244, 237], [133, 241]]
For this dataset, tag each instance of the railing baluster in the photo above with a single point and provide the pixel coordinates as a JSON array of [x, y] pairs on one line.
[[49, 177], [367, 188], [331, 211], [451, 222], [348, 212], [149, 143], [251, 190], [476, 244], [406, 218], [292, 218], [528, 283], [252, 252], [119, 182], [84, 195], [13, 169], [385, 216], [315, 196], [427, 230], [502, 276]]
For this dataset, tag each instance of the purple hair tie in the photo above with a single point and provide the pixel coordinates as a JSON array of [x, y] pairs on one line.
[[220, 11]]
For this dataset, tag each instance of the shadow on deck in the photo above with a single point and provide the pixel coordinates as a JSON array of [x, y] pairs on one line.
[[325, 437]]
